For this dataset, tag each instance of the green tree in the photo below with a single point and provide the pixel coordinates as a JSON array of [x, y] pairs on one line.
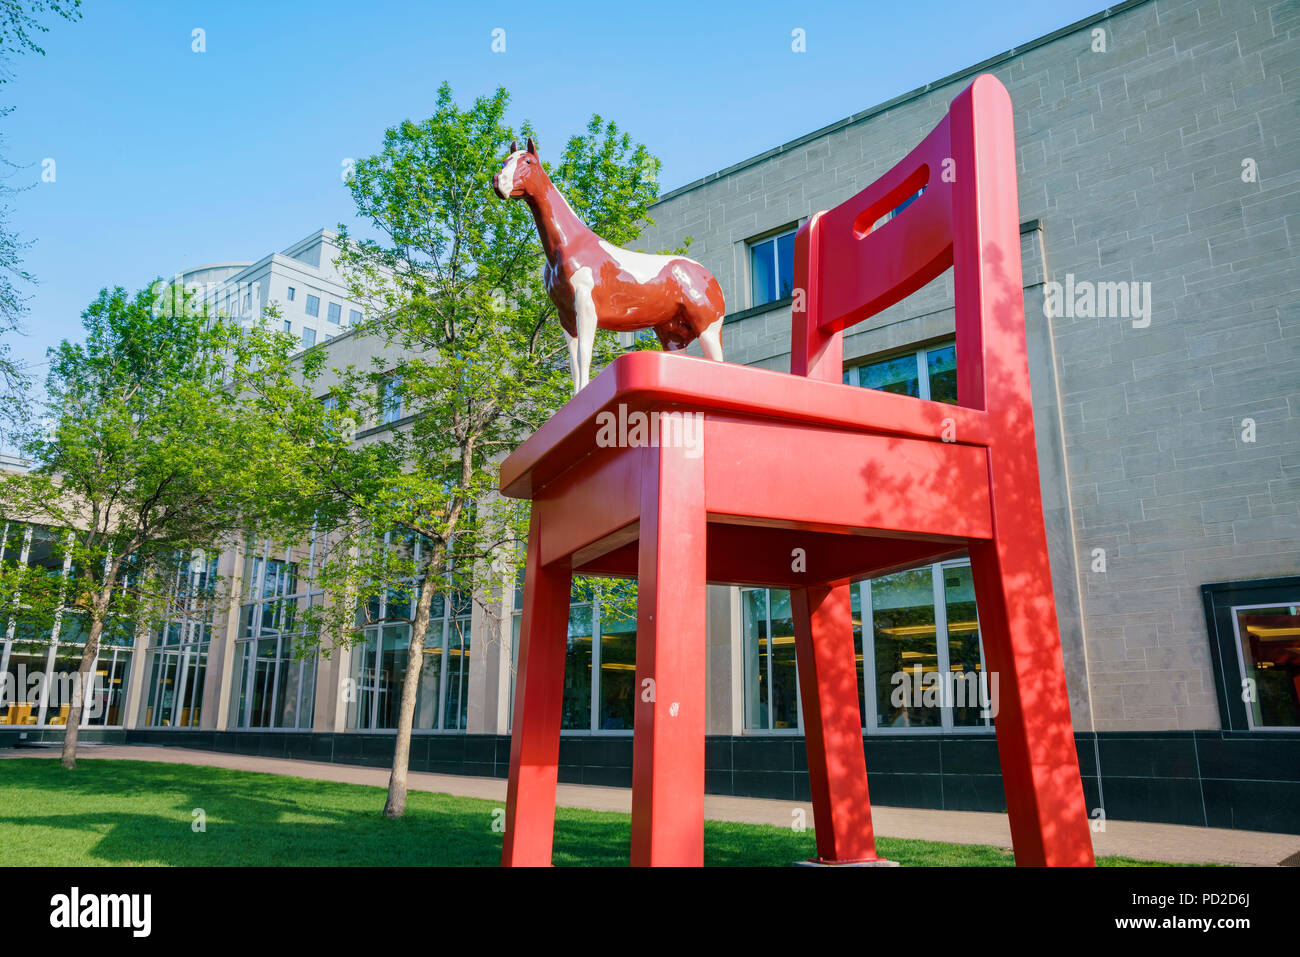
[[145, 458], [453, 287]]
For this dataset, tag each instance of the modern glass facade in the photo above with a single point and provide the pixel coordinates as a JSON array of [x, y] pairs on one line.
[[178, 648], [380, 662], [920, 668], [600, 660], [273, 681], [38, 659]]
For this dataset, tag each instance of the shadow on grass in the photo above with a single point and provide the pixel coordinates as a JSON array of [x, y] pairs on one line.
[[110, 812]]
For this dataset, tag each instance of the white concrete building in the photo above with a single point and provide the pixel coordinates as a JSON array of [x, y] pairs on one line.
[[302, 280]]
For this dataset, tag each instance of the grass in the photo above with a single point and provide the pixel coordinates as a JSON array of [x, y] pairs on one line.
[[126, 813]]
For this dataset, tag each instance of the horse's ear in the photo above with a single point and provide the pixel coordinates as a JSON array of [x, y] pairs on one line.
[[531, 147], [514, 147]]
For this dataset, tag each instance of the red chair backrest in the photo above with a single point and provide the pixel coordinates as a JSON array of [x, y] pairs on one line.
[[967, 217]]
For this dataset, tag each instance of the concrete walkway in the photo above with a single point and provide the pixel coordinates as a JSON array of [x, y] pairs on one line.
[[1151, 842]]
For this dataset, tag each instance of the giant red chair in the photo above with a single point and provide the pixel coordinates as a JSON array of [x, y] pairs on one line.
[[863, 482]]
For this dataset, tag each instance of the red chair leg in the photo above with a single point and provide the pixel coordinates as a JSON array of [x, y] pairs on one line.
[[1040, 766], [832, 724], [539, 696], [668, 739]]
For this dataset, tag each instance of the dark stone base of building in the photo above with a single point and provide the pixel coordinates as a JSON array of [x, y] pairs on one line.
[[1206, 778]]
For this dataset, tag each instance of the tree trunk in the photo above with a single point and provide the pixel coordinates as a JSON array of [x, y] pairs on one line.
[[84, 670], [395, 806]]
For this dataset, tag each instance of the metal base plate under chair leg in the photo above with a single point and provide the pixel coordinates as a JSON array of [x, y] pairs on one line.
[[818, 862]]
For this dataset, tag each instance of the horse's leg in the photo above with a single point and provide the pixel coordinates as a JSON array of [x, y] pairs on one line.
[[711, 340], [572, 343], [584, 308]]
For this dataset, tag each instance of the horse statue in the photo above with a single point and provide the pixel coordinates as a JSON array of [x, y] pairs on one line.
[[597, 284]]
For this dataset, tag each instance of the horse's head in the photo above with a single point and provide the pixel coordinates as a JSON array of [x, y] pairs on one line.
[[521, 174]]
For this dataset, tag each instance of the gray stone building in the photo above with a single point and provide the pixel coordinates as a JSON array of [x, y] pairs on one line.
[[1159, 204], [1159, 190]]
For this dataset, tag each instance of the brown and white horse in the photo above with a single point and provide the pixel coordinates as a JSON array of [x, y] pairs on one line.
[[597, 284]]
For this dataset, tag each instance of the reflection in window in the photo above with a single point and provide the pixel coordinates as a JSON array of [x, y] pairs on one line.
[[942, 367], [379, 665], [771, 677], [906, 648], [390, 399], [771, 269], [274, 683], [600, 660], [965, 664], [897, 375], [924, 374], [577, 669], [617, 670], [1268, 637], [923, 661]]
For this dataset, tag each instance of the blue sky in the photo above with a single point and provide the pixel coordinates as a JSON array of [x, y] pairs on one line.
[[166, 159]]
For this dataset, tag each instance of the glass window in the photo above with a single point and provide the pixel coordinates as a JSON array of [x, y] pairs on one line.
[[292, 292], [379, 664], [917, 647], [757, 667], [941, 366], [577, 670], [354, 316], [926, 374], [617, 671], [600, 661], [772, 684], [308, 337], [391, 399], [906, 649], [456, 711], [335, 313], [275, 677], [771, 268], [1268, 640], [288, 326], [969, 691], [428, 692], [898, 375], [313, 305]]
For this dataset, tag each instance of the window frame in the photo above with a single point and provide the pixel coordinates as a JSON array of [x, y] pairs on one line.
[[1222, 600], [920, 352], [385, 416], [867, 691], [750, 244], [253, 602], [448, 619]]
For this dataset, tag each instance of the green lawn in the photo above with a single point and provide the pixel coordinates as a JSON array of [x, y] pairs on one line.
[[141, 812]]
